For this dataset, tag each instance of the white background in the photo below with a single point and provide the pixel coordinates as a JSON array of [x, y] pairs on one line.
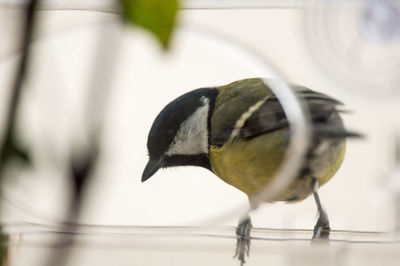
[[145, 80]]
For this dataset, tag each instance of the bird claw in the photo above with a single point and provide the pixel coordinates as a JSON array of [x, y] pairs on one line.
[[322, 228], [243, 241]]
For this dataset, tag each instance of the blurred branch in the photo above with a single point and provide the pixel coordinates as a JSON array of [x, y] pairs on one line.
[[10, 148], [81, 169], [83, 163]]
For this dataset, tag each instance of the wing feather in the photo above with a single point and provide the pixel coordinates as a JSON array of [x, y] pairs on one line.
[[324, 116]]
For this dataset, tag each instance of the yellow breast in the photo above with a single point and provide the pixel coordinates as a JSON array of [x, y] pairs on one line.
[[250, 165]]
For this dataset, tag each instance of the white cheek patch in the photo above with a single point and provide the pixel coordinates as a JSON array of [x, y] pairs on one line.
[[192, 136]]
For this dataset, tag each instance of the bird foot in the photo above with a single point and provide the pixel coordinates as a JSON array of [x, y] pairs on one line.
[[243, 240], [322, 228]]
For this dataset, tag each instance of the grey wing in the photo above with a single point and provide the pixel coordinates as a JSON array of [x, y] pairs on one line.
[[324, 117], [322, 110]]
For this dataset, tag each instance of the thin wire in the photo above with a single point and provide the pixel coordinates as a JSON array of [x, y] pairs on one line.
[[225, 232]]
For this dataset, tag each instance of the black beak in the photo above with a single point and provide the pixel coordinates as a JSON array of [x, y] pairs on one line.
[[151, 168]]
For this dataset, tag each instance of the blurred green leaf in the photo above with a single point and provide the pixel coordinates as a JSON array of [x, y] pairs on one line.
[[158, 16], [12, 150]]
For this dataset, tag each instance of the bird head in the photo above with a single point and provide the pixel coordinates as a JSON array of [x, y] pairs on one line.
[[180, 133]]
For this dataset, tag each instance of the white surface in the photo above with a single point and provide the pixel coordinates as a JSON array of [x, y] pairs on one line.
[[198, 246]]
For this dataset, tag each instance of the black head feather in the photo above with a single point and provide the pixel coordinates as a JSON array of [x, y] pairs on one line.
[[167, 123]]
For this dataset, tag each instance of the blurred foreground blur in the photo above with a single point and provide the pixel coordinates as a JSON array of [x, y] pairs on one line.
[[94, 85]]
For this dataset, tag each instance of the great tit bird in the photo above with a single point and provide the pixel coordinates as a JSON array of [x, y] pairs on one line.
[[240, 133]]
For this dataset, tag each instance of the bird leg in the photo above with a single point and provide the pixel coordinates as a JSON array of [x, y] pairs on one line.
[[322, 228], [243, 240]]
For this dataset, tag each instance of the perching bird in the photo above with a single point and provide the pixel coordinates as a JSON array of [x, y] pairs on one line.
[[240, 133]]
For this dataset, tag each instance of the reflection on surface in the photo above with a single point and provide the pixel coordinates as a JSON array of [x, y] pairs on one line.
[[126, 245]]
